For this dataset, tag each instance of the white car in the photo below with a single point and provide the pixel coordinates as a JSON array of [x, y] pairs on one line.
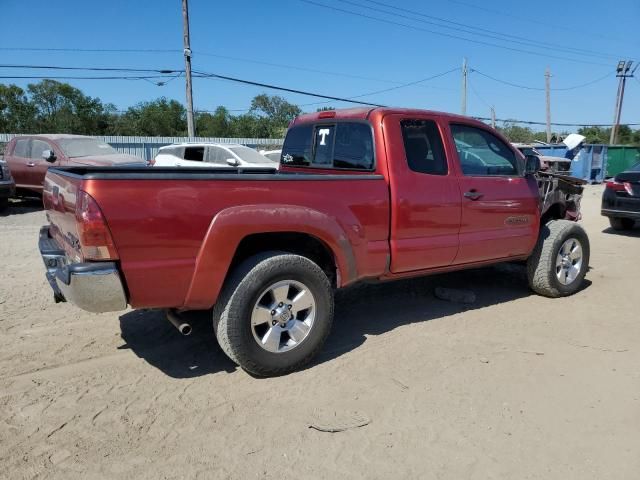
[[211, 155], [272, 154]]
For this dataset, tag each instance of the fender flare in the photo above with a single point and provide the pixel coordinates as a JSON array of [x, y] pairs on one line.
[[230, 226]]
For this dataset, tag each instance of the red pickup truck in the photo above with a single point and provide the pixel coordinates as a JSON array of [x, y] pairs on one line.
[[377, 194]]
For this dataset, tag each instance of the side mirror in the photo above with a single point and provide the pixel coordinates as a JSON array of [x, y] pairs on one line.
[[233, 162], [533, 164], [49, 156]]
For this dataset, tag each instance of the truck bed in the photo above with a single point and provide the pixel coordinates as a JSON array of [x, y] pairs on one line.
[[161, 219]]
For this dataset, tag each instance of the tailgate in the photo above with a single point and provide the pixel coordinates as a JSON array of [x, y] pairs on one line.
[[59, 198]]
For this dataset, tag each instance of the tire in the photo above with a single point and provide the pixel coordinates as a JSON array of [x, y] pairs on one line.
[[4, 203], [543, 270], [618, 223], [248, 292]]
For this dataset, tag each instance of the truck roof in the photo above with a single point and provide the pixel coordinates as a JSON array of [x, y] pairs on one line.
[[53, 136], [363, 113]]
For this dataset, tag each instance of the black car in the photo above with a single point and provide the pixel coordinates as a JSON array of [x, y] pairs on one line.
[[7, 185], [621, 199]]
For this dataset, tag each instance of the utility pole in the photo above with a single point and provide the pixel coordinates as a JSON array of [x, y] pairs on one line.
[[493, 117], [623, 71], [547, 81], [187, 67], [464, 86]]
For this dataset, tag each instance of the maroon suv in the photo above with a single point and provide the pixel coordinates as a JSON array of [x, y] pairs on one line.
[[29, 157]]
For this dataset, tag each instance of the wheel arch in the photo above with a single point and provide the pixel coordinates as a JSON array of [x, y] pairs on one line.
[[240, 232]]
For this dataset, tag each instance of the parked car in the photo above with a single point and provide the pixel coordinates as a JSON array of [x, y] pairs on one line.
[[548, 163], [621, 199], [7, 185], [273, 155], [211, 155], [375, 194], [29, 157]]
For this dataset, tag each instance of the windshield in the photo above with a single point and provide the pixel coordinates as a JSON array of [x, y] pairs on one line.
[[249, 155], [84, 147]]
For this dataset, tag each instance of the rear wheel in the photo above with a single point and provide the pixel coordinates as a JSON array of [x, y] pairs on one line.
[[4, 203], [274, 313], [621, 223], [560, 260]]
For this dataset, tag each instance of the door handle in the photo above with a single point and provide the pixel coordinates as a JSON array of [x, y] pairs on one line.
[[31, 164], [472, 194]]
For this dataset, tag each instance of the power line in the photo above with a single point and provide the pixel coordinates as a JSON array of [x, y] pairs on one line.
[[300, 68], [529, 122], [39, 77], [448, 35], [93, 69], [526, 87], [544, 22], [473, 30], [91, 50], [283, 89]]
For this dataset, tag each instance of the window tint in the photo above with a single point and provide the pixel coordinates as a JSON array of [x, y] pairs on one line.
[[37, 147], [22, 148], [423, 147], [297, 146], [195, 154], [353, 146], [347, 145], [482, 153]]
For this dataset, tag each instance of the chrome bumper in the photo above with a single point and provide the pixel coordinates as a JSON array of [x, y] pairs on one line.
[[94, 287]]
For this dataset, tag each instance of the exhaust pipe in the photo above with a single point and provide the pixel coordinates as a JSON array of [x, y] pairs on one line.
[[180, 323]]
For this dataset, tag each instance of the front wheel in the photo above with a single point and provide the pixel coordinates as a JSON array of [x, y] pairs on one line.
[[274, 313], [560, 259]]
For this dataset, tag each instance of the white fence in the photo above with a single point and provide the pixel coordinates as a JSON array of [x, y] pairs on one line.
[[147, 147]]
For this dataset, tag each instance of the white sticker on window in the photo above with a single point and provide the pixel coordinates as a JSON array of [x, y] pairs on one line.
[[323, 132]]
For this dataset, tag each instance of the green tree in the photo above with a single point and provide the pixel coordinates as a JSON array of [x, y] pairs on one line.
[[160, 117], [17, 113], [516, 133], [277, 112], [62, 108], [217, 124], [595, 134]]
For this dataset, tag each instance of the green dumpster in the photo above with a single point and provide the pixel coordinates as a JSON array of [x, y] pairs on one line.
[[620, 158]]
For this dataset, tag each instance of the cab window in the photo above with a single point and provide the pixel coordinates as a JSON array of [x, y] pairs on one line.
[[423, 147], [483, 154]]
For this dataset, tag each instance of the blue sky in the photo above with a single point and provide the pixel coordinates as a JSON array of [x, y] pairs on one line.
[[358, 54]]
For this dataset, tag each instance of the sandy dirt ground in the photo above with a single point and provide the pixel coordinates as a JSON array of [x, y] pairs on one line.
[[513, 386]]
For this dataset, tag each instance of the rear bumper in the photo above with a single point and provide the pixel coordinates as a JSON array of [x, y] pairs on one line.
[[621, 213], [620, 206], [94, 287]]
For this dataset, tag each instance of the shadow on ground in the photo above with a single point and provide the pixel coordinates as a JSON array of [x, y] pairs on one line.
[[361, 310], [151, 337], [634, 232], [19, 206]]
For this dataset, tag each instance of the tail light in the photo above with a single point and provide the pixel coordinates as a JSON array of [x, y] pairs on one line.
[[619, 186], [95, 238]]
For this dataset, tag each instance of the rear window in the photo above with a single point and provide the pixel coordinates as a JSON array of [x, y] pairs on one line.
[[342, 145]]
